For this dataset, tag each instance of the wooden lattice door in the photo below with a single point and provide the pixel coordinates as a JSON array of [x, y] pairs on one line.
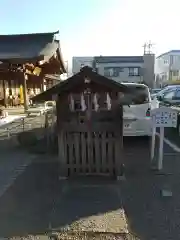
[[92, 138]]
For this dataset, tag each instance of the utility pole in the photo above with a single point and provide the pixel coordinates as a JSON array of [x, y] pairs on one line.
[[148, 47], [144, 47]]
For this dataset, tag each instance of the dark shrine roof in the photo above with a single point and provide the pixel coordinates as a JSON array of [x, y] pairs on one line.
[[77, 79], [21, 48]]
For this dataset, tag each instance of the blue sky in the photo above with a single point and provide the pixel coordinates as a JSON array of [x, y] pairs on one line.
[[97, 27], [38, 15]]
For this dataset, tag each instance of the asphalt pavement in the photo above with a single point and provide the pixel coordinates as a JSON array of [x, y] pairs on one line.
[[33, 204], [172, 135], [30, 192]]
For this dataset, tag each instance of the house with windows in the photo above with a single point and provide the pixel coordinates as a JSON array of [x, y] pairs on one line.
[[137, 69], [168, 67], [79, 62]]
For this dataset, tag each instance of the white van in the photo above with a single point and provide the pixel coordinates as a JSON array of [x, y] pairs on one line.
[[136, 117]]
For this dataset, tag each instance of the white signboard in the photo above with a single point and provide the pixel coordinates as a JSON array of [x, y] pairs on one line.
[[164, 117], [161, 117]]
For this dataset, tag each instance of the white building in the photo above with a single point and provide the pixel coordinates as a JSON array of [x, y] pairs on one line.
[[79, 62], [136, 69], [168, 67]]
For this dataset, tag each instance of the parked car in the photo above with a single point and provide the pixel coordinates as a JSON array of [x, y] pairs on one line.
[[171, 97], [154, 92], [40, 109], [137, 120], [165, 89]]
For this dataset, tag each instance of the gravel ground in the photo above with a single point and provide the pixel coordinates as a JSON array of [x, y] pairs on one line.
[[27, 207], [80, 236], [89, 207]]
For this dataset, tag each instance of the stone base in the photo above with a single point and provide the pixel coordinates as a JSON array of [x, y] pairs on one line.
[[166, 193], [160, 172], [62, 178], [121, 178]]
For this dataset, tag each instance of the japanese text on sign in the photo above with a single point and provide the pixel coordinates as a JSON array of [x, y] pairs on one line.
[[164, 117]]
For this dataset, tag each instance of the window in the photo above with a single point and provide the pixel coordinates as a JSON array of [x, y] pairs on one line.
[[178, 95], [171, 60], [164, 77], [153, 91], [175, 73], [82, 65], [169, 95], [141, 92], [112, 71], [134, 71]]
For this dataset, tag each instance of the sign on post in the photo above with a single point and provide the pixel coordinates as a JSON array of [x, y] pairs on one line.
[[164, 117], [161, 117]]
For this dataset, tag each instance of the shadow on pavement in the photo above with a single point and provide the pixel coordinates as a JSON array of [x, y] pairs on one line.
[[28, 207], [25, 207], [38, 199]]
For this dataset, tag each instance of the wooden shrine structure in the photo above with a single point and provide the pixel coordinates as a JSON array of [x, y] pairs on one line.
[[25, 59], [89, 123]]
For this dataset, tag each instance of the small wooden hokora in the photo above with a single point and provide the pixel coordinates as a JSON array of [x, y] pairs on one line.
[[95, 102], [85, 104]]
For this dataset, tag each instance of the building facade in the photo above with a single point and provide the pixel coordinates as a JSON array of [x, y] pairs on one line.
[[168, 67], [24, 68], [79, 62], [138, 69]]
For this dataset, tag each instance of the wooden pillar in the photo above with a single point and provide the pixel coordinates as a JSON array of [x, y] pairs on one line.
[[42, 84], [63, 169], [10, 86], [62, 158], [4, 92], [119, 156], [25, 77]]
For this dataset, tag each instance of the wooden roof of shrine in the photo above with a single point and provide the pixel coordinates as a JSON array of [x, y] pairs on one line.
[[78, 79], [30, 48]]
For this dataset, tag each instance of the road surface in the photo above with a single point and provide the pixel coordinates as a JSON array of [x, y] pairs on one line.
[[33, 203]]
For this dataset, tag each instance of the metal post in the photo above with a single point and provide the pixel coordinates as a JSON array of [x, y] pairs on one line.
[[153, 142], [161, 145], [46, 129], [4, 92], [8, 133], [23, 124]]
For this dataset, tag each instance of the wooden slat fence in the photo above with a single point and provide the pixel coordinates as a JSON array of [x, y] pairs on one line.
[[90, 153]]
